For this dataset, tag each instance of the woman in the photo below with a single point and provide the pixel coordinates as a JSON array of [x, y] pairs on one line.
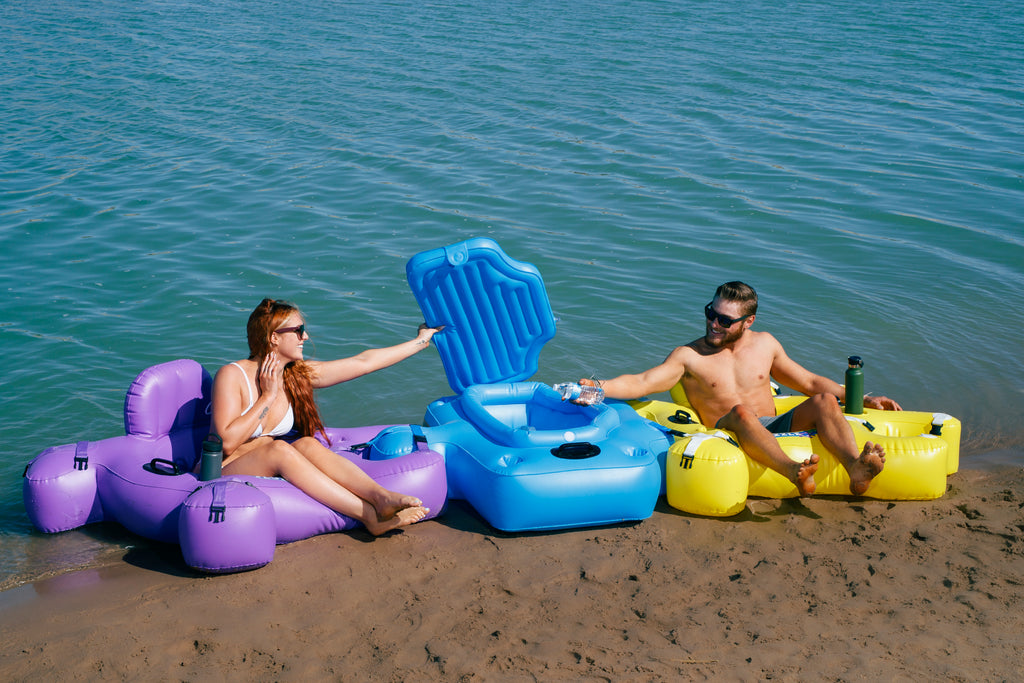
[[261, 398]]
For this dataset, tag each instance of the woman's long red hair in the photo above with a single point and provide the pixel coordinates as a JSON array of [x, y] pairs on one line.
[[269, 316]]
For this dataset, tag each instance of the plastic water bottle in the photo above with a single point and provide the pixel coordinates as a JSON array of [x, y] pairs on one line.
[[580, 393], [855, 386], [213, 456]]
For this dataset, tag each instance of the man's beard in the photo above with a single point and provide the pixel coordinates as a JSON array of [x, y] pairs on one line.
[[722, 339]]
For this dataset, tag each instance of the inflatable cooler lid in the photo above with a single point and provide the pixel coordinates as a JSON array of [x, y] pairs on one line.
[[495, 310]]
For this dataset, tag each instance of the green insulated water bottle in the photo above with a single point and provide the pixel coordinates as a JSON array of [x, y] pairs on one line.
[[213, 456], [855, 386]]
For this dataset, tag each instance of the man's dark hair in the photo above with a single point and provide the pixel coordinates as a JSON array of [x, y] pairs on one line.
[[741, 292]]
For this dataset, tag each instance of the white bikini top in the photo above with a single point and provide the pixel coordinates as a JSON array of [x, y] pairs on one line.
[[282, 428]]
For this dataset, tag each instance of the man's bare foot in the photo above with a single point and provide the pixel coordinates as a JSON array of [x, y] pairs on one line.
[[390, 504], [866, 467], [804, 475], [403, 517]]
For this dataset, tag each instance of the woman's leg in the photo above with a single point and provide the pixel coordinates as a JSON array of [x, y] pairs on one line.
[[352, 477], [275, 458]]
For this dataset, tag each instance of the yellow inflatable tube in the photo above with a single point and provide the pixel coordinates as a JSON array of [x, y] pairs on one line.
[[707, 473]]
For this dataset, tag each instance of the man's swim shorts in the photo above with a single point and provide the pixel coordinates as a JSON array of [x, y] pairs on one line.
[[778, 424]]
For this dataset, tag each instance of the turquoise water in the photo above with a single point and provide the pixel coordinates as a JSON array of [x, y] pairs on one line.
[[168, 164]]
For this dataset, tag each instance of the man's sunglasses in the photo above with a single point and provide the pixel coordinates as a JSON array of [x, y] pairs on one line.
[[723, 321], [299, 330]]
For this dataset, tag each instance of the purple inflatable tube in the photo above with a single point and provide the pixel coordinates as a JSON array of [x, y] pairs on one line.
[[144, 481]]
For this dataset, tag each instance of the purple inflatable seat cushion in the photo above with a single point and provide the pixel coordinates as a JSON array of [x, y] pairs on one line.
[[171, 400]]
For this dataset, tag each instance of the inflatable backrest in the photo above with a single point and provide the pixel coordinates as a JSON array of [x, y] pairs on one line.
[[678, 395], [168, 398], [495, 310]]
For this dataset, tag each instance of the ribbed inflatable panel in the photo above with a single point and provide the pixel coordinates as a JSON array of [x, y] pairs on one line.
[[495, 310]]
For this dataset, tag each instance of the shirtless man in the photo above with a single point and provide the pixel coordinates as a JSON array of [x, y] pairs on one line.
[[726, 376]]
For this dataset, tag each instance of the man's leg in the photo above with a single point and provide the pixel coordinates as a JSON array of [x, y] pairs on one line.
[[760, 444], [822, 413]]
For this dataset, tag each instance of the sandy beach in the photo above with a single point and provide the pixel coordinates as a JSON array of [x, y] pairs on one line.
[[811, 589]]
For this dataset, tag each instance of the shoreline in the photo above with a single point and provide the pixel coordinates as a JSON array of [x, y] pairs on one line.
[[815, 587], [107, 544]]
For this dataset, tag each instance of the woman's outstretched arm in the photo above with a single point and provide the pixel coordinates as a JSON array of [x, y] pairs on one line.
[[329, 373]]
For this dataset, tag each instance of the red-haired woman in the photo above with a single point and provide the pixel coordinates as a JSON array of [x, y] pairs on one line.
[[264, 396]]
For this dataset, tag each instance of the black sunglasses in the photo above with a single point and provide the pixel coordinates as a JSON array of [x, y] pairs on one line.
[[723, 321], [299, 330]]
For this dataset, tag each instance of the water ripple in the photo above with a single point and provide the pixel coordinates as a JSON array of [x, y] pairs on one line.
[[168, 165]]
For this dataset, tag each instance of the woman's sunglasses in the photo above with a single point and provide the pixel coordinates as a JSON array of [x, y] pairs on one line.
[[299, 330], [723, 321]]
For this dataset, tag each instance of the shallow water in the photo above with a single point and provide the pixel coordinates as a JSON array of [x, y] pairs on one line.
[[166, 165]]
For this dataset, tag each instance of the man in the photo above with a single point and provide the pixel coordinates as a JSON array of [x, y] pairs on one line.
[[726, 375]]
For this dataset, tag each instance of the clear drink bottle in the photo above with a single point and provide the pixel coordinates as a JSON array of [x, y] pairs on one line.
[[580, 393]]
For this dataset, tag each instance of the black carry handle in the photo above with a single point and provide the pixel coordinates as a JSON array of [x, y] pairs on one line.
[[167, 468], [681, 417], [577, 450]]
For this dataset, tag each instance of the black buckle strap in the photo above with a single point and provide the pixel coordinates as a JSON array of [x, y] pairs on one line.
[[218, 507], [82, 455]]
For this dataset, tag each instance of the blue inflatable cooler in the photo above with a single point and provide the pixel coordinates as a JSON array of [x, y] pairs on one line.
[[522, 457]]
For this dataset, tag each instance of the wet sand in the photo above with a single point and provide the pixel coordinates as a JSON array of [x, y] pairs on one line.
[[813, 589]]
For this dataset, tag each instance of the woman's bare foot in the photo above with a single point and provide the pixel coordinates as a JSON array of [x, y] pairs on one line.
[[804, 475], [389, 504], [867, 466], [403, 517]]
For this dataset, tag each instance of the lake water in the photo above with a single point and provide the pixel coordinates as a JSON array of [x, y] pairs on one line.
[[165, 165]]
